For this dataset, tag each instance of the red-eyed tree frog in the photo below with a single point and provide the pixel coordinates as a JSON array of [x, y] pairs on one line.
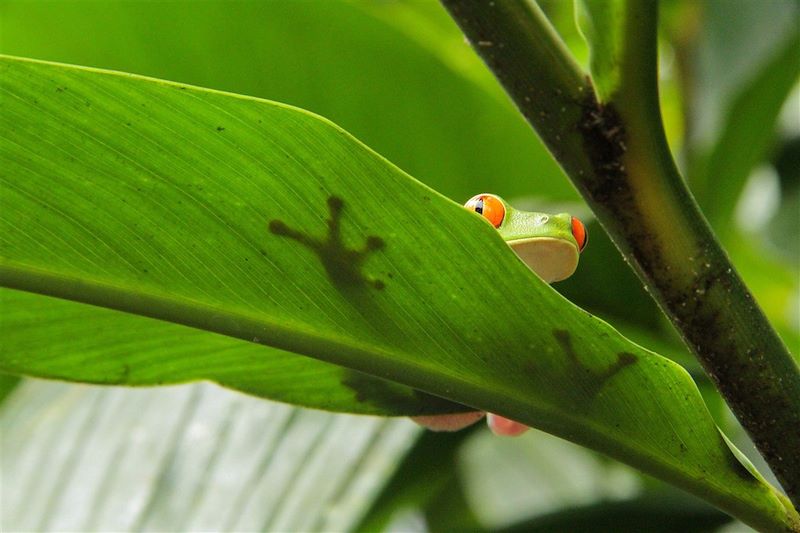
[[550, 245]]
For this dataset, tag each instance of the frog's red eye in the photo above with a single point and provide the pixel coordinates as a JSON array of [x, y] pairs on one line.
[[489, 206], [580, 233]]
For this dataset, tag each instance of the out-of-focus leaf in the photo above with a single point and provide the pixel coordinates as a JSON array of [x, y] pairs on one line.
[[783, 231], [746, 135], [654, 514], [411, 101], [209, 209], [193, 458], [601, 22], [450, 511], [7, 382], [423, 474], [736, 40], [562, 16], [746, 65], [429, 26], [539, 483], [510, 480]]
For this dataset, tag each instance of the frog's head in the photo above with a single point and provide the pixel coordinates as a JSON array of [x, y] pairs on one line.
[[549, 244]]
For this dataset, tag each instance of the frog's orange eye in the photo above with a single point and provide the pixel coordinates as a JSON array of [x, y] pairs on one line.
[[580, 233], [489, 206]]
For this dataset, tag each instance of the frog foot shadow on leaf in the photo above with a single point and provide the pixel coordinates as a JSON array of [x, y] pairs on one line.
[[342, 264], [591, 380]]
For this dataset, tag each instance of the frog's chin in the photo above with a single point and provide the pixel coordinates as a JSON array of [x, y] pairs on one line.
[[552, 259]]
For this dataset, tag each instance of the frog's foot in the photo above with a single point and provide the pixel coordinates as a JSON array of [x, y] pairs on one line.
[[505, 427], [453, 422], [499, 425]]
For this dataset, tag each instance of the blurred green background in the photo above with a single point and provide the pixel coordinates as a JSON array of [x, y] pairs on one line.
[[400, 77]]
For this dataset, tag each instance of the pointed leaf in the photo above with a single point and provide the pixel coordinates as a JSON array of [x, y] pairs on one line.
[[267, 223], [333, 73], [50, 337]]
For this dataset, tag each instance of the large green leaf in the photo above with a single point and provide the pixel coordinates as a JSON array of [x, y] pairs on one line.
[[267, 223], [50, 337], [194, 458], [450, 125]]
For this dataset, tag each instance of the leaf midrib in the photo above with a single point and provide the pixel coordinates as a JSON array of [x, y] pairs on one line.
[[298, 339], [287, 335]]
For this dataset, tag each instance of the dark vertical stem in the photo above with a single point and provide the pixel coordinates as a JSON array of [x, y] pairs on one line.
[[616, 154]]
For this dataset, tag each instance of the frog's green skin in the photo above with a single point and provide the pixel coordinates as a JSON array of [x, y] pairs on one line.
[[544, 242]]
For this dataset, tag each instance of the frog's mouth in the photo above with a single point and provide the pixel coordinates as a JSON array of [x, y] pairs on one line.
[[551, 259]]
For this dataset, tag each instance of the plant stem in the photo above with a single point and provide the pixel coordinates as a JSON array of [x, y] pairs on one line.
[[617, 155]]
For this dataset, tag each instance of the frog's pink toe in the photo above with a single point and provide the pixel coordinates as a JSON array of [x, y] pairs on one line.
[[448, 422], [504, 426]]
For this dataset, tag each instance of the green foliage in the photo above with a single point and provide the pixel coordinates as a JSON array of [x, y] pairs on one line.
[[267, 223], [406, 98], [750, 69], [400, 78]]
